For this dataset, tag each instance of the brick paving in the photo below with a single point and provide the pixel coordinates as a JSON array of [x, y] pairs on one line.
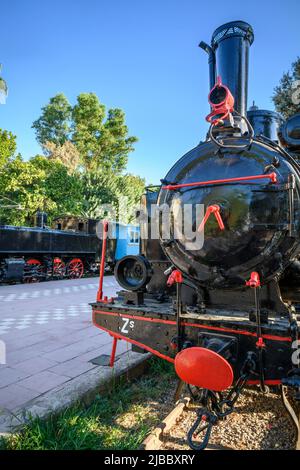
[[49, 338]]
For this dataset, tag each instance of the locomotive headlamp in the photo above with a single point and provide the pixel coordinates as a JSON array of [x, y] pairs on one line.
[[221, 101], [133, 272], [218, 95]]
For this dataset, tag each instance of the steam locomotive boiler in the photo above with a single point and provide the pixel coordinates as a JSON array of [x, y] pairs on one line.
[[216, 294]]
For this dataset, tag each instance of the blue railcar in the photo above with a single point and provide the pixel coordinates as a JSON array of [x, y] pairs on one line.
[[128, 240]]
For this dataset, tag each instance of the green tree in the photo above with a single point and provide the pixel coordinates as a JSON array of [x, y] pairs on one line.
[[54, 123], [21, 183], [62, 190], [86, 150], [131, 187], [8, 146], [101, 138], [98, 188], [102, 143], [67, 154], [39, 183], [102, 189], [286, 97]]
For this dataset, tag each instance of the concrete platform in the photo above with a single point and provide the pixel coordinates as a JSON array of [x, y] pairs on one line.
[[49, 339]]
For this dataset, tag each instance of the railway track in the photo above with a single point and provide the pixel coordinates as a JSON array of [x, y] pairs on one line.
[[259, 425]]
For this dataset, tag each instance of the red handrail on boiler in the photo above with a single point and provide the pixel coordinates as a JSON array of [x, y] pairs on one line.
[[271, 176]]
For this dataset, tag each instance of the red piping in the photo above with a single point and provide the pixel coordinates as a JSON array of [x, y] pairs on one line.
[[135, 317], [271, 176], [113, 352], [240, 332], [206, 327], [167, 358], [100, 297], [102, 264], [267, 382], [137, 343]]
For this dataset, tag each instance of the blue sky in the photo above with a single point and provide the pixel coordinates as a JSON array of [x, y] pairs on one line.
[[141, 56]]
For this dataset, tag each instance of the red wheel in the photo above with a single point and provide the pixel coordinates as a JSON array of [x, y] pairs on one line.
[[59, 268], [33, 270], [75, 268]]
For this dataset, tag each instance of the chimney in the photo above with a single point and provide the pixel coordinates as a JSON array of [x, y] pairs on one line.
[[228, 58]]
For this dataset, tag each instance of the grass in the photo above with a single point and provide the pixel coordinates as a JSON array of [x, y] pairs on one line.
[[121, 418]]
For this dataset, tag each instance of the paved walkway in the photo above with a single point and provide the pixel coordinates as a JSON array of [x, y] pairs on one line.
[[49, 338]]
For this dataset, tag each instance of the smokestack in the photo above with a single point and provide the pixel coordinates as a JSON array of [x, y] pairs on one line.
[[229, 52]]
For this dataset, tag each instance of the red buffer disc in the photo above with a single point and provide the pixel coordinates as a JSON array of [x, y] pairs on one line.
[[204, 368]]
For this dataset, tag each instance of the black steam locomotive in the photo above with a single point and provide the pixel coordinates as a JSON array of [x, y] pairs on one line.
[[71, 249], [225, 311]]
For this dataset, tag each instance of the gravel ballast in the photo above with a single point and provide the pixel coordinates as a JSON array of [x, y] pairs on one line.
[[260, 421]]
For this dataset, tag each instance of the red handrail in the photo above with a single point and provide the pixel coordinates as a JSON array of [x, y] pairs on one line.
[[113, 351], [102, 264], [271, 176]]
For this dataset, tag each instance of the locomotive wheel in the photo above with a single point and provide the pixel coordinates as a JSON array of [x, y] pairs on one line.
[[59, 268], [33, 270], [75, 269]]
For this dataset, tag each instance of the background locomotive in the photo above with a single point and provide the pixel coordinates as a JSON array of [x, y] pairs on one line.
[[225, 313], [71, 249]]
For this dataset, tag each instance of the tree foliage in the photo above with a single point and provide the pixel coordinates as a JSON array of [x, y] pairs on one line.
[[103, 144], [101, 138], [131, 187], [67, 154], [38, 184], [286, 97], [105, 193], [21, 183], [8, 147], [47, 184], [82, 171], [62, 191], [54, 123]]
